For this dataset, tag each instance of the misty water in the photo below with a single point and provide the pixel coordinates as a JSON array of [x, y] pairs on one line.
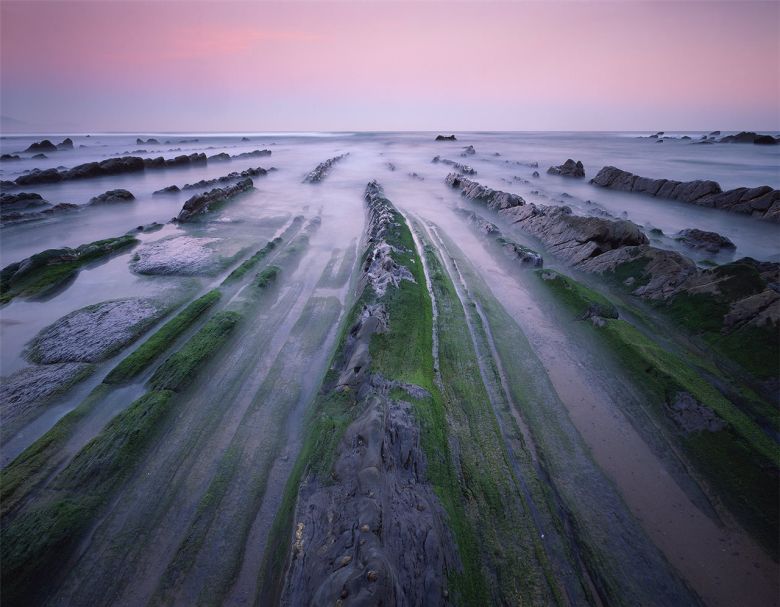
[[665, 501]]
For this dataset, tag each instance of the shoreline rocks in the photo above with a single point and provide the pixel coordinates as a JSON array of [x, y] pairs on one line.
[[445, 138], [493, 199], [570, 168], [463, 169], [762, 202]]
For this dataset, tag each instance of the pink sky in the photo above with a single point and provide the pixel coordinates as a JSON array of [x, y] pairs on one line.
[[253, 66]]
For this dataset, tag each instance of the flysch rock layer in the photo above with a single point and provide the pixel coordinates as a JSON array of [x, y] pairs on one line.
[[762, 202]]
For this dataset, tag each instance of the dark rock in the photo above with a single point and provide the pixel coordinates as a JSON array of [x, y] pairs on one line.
[[493, 199], [39, 157], [42, 146], [322, 169], [748, 137], [253, 154], [463, 169], [711, 242], [7, 157], [219, 157], [171, 189], [245, 139], [445, 138], [112, 196], [570, 168], [200, 203], [762, 202], [535, 174], [468, 151], [65, 144], [714, 133], [150, 141]]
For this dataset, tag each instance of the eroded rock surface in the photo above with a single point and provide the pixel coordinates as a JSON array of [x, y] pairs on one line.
[[95, 332], [693, 416], [762, 202], [463, 169], [493, 199], [180, 255]]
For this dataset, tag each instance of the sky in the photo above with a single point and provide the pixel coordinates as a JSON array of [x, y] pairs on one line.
[[183, 65]]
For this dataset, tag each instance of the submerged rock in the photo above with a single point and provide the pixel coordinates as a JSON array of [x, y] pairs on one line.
[[762, 202], [95, 332], [570, 168], [25, 393], [693, 416], [171, 189], [526, 256], [463, 169], [711, 242], [111, 197], [468, 151], [7, 157]]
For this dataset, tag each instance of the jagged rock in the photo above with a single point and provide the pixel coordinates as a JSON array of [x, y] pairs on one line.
[[699, 239], [171, 189], [762, 202], [39, 157], [22, 200], [693, 416], [252, 154], [445, 138], [493, 199], [570, 168], [322, 169], [714, 133], [42, 146], [468, 151], [245, 139], [65, 144], [571, 237], [95, 332], [200, 203], [7, 157], [150, 141], [111, 197], [256, 172]]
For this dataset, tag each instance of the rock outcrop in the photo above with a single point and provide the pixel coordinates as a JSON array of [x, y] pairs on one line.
[[463, 169], [111, 166], [445, 138], [712, 242], [524, 255], [570, 168], [8, 157], [322, 169], [180, 256], [762, 202], [493, 199], [65, 144], [200, 203], [749, 137], [150, 141], [42, 146], [112, 197]]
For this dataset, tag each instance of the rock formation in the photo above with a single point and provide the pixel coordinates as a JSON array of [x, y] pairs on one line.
[[762, 202], [570, 168]]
